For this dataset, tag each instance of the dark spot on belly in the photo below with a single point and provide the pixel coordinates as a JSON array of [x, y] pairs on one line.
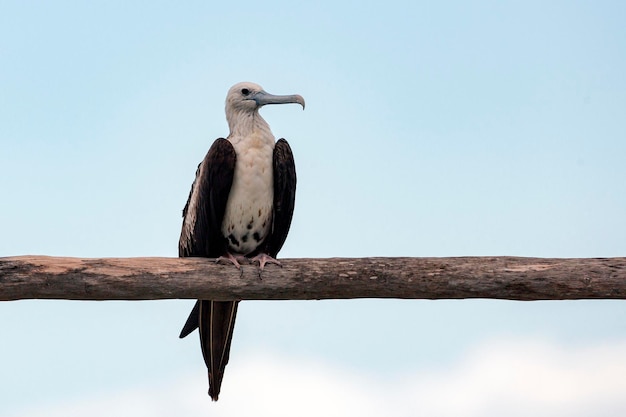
[[233, 240], [244, 238], [260, 212], [257, 236], [250, 224]]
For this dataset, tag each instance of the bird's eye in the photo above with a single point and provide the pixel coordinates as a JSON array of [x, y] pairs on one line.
[[245, 91]]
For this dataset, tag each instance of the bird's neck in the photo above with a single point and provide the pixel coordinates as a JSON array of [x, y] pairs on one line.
[[247, 124]]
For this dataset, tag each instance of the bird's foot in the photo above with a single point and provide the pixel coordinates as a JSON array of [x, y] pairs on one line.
[[264, 259], [229, 258]]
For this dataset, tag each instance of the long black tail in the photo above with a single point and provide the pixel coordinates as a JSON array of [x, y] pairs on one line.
[[216, 324]]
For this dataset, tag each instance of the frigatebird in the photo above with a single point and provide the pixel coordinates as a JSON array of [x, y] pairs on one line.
[[240, 206]]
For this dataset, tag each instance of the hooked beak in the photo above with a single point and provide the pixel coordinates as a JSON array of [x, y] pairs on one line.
[[262, 98]]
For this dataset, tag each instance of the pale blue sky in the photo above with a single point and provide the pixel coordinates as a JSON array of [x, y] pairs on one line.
[[455, 128]]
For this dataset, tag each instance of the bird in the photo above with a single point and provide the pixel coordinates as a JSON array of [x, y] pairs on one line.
[[240, 206]]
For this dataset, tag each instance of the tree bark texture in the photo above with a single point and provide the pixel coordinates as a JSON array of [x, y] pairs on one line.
[[510, 278]]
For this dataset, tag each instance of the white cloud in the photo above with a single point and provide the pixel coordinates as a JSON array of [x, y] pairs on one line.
[[502, 378]]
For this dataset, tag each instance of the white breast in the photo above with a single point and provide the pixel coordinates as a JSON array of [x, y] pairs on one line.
[[248, 217]]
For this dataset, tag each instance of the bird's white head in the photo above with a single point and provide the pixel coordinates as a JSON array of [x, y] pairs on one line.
[[244, 100]]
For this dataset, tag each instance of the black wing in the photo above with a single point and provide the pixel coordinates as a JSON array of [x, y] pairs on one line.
[[284, 197], [201, 234]]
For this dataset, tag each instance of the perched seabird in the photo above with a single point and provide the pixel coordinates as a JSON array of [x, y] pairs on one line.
[[240, 205]]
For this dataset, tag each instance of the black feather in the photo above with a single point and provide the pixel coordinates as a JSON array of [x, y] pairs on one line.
[[284, 197]]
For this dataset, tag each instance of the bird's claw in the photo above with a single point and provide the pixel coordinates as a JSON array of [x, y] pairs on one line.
[[229, 258], [264, 259]]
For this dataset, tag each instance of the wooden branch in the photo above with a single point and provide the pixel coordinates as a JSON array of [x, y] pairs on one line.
[[35, 277]]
